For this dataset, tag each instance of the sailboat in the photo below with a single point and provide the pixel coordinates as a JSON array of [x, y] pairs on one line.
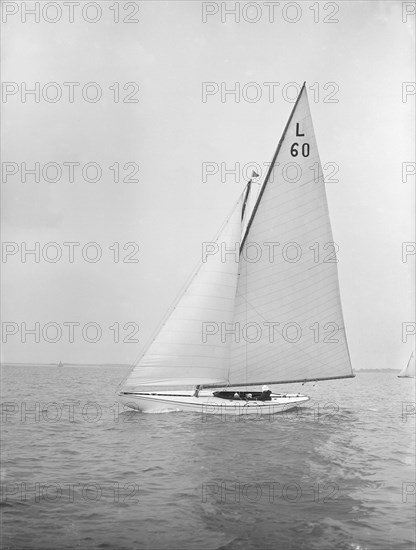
[[262, 308], [60, 364], [409, 370]]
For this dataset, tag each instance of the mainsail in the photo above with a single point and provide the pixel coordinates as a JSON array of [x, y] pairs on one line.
[[409, 370], [180, 355], [288, 319]]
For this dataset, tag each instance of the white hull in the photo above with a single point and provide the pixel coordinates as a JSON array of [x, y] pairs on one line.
[[207, 403]]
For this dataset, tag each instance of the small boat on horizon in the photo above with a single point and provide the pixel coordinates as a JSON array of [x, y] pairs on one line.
[[264, 305], [408, 371], [60, 364]]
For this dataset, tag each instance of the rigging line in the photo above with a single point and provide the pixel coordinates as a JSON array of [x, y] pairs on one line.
[[246, 346]]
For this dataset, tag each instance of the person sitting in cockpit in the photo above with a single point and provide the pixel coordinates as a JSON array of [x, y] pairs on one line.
[[265, 394]]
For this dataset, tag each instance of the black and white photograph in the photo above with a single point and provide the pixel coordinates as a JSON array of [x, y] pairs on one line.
[[208, 275]]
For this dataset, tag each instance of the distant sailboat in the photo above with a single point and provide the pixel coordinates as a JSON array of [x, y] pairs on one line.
[[60, 364], [210, 339], [409, 370]]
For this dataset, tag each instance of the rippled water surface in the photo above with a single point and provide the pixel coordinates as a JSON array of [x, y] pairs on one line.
[[79, 472]]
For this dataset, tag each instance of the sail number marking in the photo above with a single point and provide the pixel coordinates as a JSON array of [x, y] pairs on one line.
[[305, 149]]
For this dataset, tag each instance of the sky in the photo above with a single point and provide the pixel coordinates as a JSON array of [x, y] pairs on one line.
[[146, 120]]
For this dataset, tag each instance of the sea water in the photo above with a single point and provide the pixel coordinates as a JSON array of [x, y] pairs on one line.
[[81, 472]]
